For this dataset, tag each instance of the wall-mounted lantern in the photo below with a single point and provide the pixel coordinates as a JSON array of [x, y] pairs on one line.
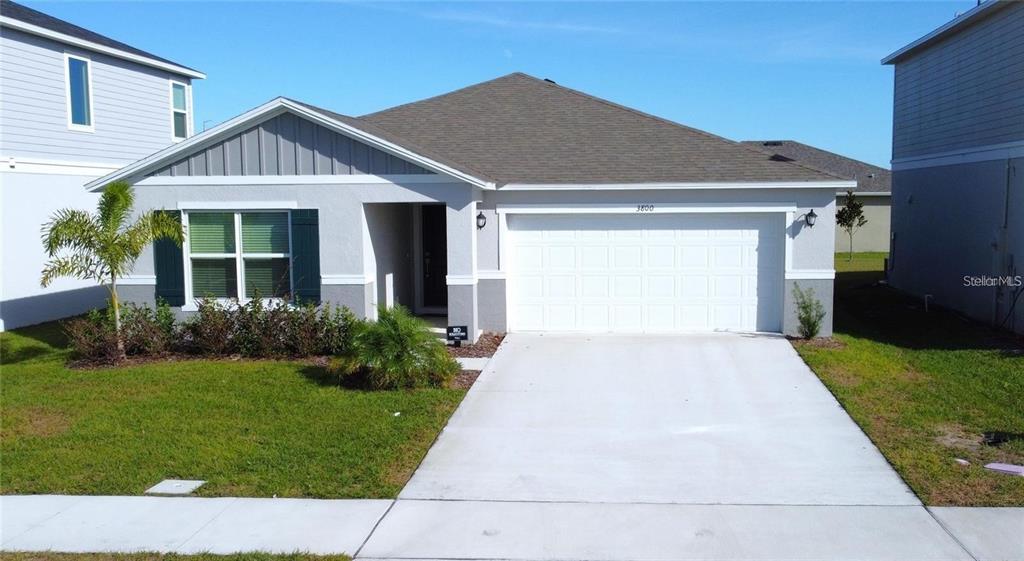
[[810, 218], [481, 221]]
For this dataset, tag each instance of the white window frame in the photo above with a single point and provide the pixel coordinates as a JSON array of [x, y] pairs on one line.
[[187, 111], [91, 127], [238, 255]]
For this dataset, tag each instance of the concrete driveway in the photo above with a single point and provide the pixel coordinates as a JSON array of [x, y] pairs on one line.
[[699, 419], [607, 448]]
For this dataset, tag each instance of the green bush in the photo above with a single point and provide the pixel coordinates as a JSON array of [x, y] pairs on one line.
[[211, 330], [260, 329], [810, 312], [399, 351], [92, 337], [145, 331]]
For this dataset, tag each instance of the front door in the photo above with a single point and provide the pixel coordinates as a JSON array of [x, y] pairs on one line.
[[434, 234]]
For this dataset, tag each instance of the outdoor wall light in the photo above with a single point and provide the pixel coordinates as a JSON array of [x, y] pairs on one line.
[[811, 217], [481, 221]]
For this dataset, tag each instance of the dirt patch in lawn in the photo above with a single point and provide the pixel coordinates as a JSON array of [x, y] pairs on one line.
[[483, 348], [465, 379], [41, 422], [954, 436], [819, 343]]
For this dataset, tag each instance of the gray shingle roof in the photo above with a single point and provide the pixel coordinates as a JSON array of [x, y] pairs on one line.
[[25, 14], [520, 129], [870, 178]]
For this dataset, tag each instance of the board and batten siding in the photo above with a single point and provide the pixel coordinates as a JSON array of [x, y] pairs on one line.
[[966, 90], [131, 104], [289, 145]]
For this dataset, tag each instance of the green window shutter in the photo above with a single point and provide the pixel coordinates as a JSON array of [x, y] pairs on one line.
[[211, 232], [306, 255], [170, 269], [265, 232]]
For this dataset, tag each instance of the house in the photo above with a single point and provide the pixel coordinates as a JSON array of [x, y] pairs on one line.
[[74, 105], [873, 185], [515, 204], [958, 165]]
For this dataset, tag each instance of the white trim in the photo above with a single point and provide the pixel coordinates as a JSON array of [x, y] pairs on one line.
[[270, 109], [460, 280], [789, 231], [491, 275], [1001, 151], [200, 180], [866, 193], [810, 274], [55, 167], [72, 126], [238, 206], [650, 208], [963, 19], [137, 280], [69, 40], [188, 125], [338, 280], [839, 184]]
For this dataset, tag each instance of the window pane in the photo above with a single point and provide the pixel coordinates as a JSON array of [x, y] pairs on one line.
[[178, 96], [214, 278], [265, 232], [269, 278], [180, 125], [78, 89], [211, 232]]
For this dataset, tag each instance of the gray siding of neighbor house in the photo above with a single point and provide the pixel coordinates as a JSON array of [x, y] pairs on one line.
[[290, 145], [873, 236], [131, 104], [958, 220], [966, 90]]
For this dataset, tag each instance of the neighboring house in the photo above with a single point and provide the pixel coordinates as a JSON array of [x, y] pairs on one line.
[[74, 105], [958, 165], [873, 185], [511, 205]]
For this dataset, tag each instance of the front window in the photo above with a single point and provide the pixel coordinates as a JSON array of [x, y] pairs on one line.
[[79, 93], [228, 250], [179, 110]]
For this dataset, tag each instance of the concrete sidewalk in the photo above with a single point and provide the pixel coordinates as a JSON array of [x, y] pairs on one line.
[[185, 524]]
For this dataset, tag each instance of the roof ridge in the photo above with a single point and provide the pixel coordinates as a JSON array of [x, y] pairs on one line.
[[664, 120], [817, 149], [445, 94]]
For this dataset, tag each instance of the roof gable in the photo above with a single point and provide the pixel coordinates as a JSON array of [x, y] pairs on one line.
[[288, 144], [523, 130]]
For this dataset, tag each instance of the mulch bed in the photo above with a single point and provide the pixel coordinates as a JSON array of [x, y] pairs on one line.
[[483, 348], [819, 343], [463, 380]]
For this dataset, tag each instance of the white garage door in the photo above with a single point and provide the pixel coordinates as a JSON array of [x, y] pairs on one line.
[[646, 273]]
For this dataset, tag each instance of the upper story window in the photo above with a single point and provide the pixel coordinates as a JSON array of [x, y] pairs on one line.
[[179, 110], [79, 92]]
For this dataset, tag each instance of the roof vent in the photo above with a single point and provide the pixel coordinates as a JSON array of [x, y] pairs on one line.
[[551, 81], [780, 158], [871, 176], [773, 143]]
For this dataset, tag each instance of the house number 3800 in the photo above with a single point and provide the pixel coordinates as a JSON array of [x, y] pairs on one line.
[[645, 208]]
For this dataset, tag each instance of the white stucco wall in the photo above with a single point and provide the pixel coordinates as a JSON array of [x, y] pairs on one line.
[[27, 201]]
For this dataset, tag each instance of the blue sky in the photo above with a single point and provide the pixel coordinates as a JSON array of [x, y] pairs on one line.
[[807, 71]]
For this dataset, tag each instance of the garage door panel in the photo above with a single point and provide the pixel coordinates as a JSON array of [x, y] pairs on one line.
[[653, 273]]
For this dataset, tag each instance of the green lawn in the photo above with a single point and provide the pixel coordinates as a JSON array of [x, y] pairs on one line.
[[925, 387], [52, 556], [249, 428]]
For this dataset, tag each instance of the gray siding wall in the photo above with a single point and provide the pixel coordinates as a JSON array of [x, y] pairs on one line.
[[290, 145], [947, 223], [131, 104], [966, 90], [390, 230]]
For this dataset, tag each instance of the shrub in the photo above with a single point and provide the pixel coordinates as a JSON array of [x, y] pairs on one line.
[[146, 332], [810, 312], [339, 328], [399, 351], [260, 329], [93, 338], [211, 330]]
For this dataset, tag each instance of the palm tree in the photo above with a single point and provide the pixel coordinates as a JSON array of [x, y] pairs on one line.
[[103, 246]]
